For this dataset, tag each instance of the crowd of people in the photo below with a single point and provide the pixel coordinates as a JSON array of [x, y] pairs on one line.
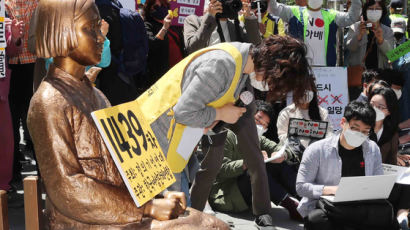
[[270, 55]]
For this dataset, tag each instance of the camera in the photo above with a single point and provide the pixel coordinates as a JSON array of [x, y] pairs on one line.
[[230, 8], [263, 5]]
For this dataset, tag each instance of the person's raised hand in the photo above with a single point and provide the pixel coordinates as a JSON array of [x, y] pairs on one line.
[[378, 33], [104, 27], [246, 8], [167, 22], [163, 209], [17, 29], [215, 7], [229, 113], [362, 30]]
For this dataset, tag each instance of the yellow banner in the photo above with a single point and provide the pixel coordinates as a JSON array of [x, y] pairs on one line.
[[135, 150]]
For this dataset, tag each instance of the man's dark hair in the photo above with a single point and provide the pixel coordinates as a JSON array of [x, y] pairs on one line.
[[361, 111], [283, 63], [369, 75], [392, 77], [264, 107]]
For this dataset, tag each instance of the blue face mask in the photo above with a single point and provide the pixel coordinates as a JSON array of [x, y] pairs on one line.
[[159, 12]]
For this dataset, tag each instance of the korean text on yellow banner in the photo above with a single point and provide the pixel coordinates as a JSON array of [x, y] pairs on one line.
[[135, 150]]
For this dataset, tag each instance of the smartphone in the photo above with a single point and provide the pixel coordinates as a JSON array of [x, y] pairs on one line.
[[369, 25]]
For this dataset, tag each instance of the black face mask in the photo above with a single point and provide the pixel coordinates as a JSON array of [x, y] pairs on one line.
[[398, 36], [159, 12]]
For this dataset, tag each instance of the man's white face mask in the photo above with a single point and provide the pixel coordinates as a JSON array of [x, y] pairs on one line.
[[354, 138], [315, 4], [259, 85]]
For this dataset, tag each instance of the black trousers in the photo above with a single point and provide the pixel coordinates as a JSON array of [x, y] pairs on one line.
[[21, 91], [400, 197], [248, 142], [281, 178]]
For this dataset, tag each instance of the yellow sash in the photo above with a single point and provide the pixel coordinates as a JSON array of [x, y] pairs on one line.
[[165, 93]]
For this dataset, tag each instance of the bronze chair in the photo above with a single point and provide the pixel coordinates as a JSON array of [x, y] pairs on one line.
[[4, 216], [33, 208]]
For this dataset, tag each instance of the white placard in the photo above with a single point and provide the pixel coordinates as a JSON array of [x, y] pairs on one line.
[[190, 138], [187, 10], [2, 8], [331, 84], [3, 42], [403, 173], [2, 62]]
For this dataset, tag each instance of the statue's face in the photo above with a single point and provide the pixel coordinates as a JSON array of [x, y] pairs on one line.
[[90, 39]]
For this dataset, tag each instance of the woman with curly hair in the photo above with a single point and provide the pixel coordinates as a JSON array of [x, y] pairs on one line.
[[219, 74]]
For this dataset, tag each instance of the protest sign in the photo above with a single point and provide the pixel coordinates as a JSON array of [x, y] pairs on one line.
[[3, 42], [403, 173], [307, 128], [180, 9], [135, 150], [331, 84], [399, 51]]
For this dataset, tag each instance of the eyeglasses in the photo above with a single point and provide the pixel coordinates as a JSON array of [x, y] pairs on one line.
[[379, 106]]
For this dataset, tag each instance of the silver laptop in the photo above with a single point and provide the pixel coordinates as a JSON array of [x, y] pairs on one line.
[[363, 188]]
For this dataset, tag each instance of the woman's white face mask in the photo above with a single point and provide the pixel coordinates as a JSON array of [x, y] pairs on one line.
[[374, 15], [379, 114], [259, 85]]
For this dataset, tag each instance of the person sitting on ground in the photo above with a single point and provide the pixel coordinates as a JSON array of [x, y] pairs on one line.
[[316, 27], [368, 77], [307, 109], [83, 185], [324, 162], [386, 136], [231, 192], [385, 133], [201, 32]]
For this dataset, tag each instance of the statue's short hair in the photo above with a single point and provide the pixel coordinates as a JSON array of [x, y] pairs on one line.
[[55, 26]]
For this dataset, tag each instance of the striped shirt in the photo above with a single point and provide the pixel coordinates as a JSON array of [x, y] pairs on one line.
[[22, 10]]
